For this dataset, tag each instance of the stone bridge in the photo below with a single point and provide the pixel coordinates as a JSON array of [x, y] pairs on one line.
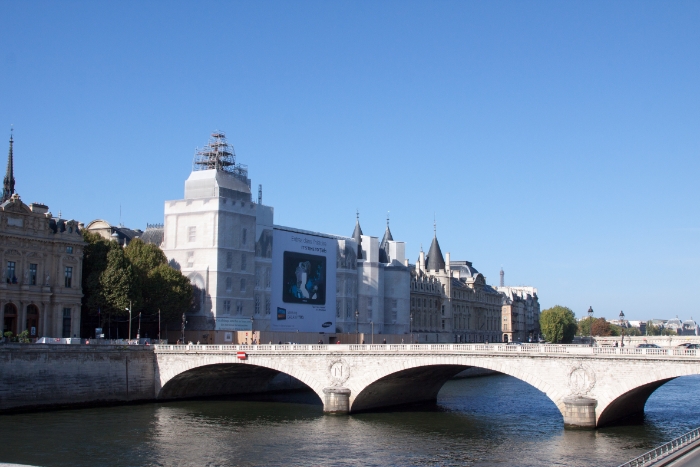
[[591, 386]]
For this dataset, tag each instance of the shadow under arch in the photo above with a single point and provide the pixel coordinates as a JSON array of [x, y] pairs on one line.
[[227, 379], [420, 384], [630, 405]]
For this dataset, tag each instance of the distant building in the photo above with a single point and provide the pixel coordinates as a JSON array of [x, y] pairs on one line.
[[42, 257], [120, 234]]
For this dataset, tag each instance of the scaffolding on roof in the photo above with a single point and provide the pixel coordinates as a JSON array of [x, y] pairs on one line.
[[218, 154]]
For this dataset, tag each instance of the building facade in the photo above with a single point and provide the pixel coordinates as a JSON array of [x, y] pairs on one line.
[[42, 260]]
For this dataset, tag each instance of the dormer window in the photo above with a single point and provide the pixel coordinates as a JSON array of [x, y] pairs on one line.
[[69, 250]]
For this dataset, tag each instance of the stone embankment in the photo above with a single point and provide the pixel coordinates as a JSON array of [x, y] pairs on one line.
[[40, 376]]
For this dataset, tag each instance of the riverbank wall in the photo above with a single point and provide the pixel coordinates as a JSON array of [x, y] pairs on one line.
[[50, 376]]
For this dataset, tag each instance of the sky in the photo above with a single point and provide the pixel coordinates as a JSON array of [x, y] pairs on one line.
[[557, 140]]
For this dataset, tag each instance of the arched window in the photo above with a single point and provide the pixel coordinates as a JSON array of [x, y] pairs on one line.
[[33, 320], [10, 323]]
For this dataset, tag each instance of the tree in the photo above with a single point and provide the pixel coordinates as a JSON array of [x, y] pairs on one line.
[[94, 264], [601, 327], [558, 324], [584, 326], [169, 291], [119, 283], [653, 330]]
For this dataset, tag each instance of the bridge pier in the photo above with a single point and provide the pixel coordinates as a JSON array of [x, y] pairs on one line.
[[579, 412], [337, 400]]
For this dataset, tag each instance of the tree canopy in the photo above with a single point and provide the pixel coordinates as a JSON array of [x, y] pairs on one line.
[[558, 324], [114, 276]]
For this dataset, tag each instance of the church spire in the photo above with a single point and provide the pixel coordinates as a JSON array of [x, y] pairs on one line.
[[357, 236], [8, 183]]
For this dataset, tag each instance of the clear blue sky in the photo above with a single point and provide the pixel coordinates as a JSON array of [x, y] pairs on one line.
[[559, 140]]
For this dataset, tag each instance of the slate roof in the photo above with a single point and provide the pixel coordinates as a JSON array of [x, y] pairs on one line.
[[153, 235], [435, 261]]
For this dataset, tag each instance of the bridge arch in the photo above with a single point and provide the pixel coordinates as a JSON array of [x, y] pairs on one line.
[[420, 379], [219, 375], [630, 399]]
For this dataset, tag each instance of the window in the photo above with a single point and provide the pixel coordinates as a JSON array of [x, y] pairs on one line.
[[239, 307], [244, 236], [68, 276], [267, 305], [258, 273], [443, 324], [229, 260], [11, 278], [369, 307], [32, 274], [267, 278], [69, 249], [227, 307], [257, 304], [66, 322], [192, 233], [190, 259], [338, 307], [242, 285], [244, 266], [229, 284]]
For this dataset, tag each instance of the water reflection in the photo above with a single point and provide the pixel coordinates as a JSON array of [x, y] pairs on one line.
[[477, 422]]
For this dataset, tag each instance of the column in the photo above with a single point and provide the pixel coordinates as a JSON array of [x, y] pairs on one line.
[[337, 400], [579, 412]]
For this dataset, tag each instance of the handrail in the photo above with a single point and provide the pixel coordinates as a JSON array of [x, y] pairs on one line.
[[524, 349], [664, 450]]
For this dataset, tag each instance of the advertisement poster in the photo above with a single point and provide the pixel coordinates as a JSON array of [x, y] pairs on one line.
[[303, 282], [233, 324]]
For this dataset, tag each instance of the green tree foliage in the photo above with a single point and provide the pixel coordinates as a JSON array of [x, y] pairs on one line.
[[94, 264], [584, 326], [113, 276], [652, 330], [632, 332], [558, 324], [119, 283], [169, 291], [668, 332]]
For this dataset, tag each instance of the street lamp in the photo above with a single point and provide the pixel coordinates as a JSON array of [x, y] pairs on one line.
[[183, 328], [357, 332], [410, 327], [590, 324], [622, 334], [129, 310]]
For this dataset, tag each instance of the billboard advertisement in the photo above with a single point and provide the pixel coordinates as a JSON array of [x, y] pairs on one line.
[[233, 324], [302, 282]]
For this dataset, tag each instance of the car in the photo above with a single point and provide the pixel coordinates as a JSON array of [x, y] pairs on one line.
[[684, 344], [692, 347], [513, 343], [648, 346]]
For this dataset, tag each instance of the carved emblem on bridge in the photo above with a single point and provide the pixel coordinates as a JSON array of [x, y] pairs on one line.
[[581, 379], [339, 371]]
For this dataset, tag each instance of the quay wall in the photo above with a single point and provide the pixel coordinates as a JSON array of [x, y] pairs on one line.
[[34, 376]]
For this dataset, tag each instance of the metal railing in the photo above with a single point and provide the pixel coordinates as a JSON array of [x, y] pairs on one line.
[[439, 348], [664, 450]]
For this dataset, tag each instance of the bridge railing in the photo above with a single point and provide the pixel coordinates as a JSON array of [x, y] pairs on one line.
[[664, 450], [475, 348]]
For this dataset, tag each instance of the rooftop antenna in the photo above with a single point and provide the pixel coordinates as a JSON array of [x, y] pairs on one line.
[[357, 214], [260, 193], [434, 226], [387, 218]]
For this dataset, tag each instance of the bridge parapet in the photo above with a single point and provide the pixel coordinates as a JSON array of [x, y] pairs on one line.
[[532, 349]]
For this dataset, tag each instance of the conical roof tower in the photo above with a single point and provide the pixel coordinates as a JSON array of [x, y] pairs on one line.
[[8, 183], [436, 261], [357, 236], [384, 246]]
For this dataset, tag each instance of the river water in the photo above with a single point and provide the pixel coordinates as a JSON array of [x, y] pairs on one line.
[[489, 421]]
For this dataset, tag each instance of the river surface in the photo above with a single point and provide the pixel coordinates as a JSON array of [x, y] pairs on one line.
[[488, 421]]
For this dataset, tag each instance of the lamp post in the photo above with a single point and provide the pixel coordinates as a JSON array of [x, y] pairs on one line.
[[372, 323], [622, 334], [590, 324], [252, 330], [410, 327], [129, 310], [357, 332], [183, 328], [138, 333], [159, 325]]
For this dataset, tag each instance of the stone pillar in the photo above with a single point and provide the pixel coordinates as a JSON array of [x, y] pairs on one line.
[[579, 412], [337, 400]]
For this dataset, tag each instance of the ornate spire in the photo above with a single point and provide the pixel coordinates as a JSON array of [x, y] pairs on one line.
[[384, 245], [357, 235], [8, 183], [436, 261]]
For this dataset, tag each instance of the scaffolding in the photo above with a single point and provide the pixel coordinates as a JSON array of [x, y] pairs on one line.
[[218, 154]]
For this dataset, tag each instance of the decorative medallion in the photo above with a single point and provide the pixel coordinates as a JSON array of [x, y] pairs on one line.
[[581, 379], [339, 371]]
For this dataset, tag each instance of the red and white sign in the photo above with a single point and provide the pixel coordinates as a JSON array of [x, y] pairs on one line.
[[241, 355]]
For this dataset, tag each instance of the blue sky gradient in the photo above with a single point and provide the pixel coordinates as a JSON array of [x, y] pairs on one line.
[[559, 140]]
